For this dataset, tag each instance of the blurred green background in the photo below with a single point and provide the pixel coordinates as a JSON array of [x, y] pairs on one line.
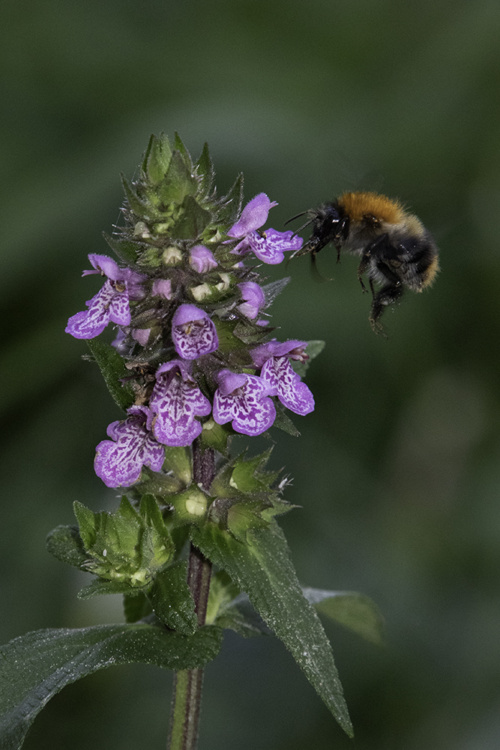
[[397, 471]]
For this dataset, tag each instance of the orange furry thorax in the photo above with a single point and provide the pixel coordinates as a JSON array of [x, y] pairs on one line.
[[358, 205]]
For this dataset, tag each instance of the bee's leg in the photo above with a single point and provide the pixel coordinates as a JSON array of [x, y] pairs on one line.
[[388, 295], [370, 253]]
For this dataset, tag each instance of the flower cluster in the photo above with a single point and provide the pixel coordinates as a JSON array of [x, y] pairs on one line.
[[187, 305]]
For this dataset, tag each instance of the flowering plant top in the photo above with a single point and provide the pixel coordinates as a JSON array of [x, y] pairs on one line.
[[189, 308]]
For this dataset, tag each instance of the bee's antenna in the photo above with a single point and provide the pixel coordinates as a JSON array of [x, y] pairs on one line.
[[302, 213]]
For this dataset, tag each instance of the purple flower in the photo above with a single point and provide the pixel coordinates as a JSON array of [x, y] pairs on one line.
[[119, 461], [193, 332], [274, 359], [176, 401], [202, 259], [268, 245], [111, 303], [253, 297], [243, 400], [162, 288]]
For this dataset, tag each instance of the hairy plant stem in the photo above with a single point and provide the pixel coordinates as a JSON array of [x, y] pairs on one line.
[[188, 683]]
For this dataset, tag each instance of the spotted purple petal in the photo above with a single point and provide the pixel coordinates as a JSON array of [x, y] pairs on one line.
[[111, 303], [119, 461], [176, 401], [279, 375], [269, 246], [243, 400], [193, 332]]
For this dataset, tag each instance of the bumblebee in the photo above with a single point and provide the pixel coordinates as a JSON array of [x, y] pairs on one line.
[[396, 250]]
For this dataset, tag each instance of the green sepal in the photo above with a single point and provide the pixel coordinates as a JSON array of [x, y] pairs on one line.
[[248, 475], [136, 606], [190, 505], [228, 342], [192, 221], [313, 349], [216, 436], [284, 423], [230, 204], [178, 181], [274, 288], [181, 148], [228, 609], [243, 477], [157, 158], [113, 371], [65, 543], [141, 208], [127, 250], [157, 484], [205, 170], [36, 666], [262, 567], [178, 461], [172, 601], [126, 546], [354, 611]]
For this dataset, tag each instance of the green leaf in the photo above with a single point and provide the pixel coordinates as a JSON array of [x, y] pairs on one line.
[[350, 609], [99, 587], [138, 206], [38, 665], [65, 543], [262, 567], [113, 371], [172, 601], [136, 606]]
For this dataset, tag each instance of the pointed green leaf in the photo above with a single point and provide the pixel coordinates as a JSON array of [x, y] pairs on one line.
[[172, 601], [87, 523], [179, 145], [99, 587], [263, 569], [113, 371], [350, 609], [36, 666]]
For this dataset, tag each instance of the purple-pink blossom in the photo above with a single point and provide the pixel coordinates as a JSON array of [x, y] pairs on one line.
[[268, 245], [119, 461], [176, 401], [244, 401], [253, 299], [274, 360], [202, 259], [193, 332], [111, 303]]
